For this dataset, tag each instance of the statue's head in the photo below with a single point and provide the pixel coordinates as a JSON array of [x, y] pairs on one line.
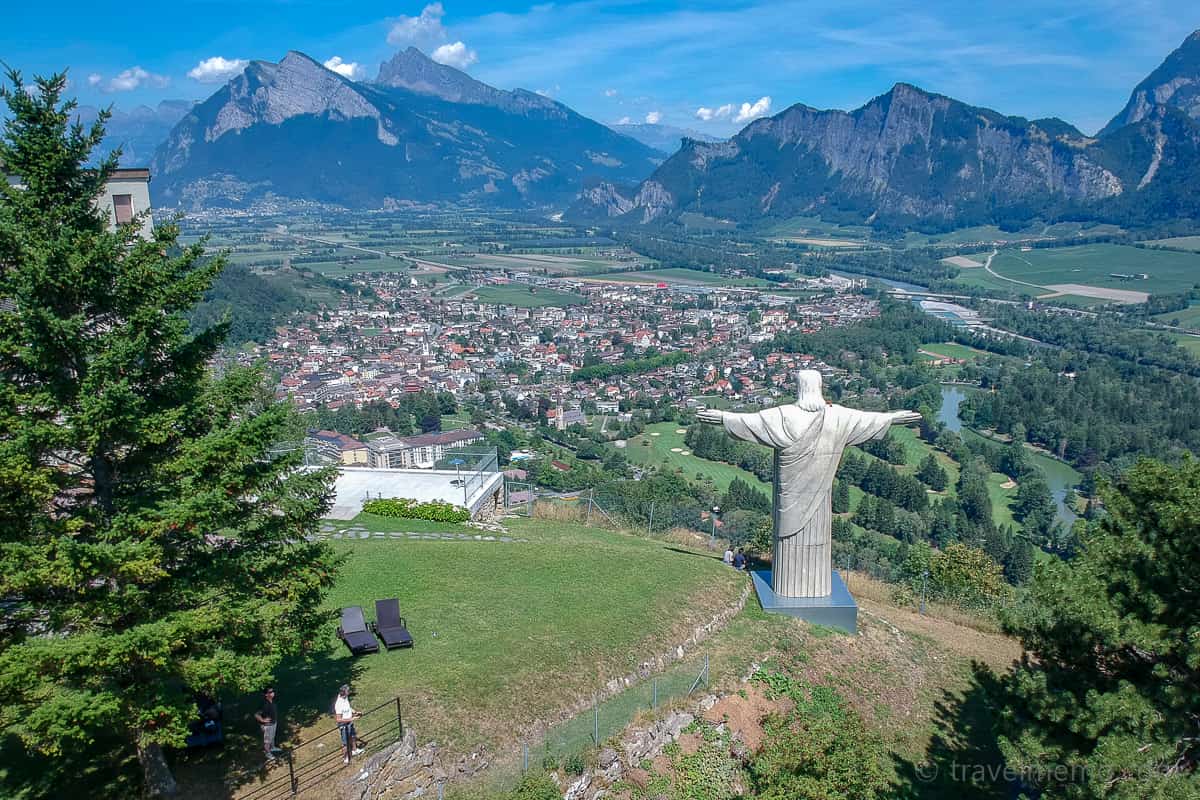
[[809, 392]]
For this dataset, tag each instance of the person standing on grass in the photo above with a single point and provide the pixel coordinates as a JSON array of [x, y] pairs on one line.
[[268, 717], [345, 716]]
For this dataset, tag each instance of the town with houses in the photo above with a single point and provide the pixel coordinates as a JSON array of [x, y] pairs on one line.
[[399, 339]]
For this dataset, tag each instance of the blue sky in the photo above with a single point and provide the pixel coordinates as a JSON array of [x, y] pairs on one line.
[[706, 66]]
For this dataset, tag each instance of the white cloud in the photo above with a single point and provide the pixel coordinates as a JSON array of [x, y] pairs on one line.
[[418, 30], [94, 79], [347, 69], [610, 92], [745, 113], [709, 114], [750, 111], [130, 79], [456, 55], [653, 118], [217, 69], [624, 121]]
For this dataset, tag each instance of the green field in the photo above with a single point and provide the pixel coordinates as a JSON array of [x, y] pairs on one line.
[[520, 296], [1179, 243], [803, 227], [454, 422], [1189, 343], [506, 633], [1092, 265], [955, 350], [346, 267], [658, 454], [536, 263], [679, 275], [978, 233], [1184, 318], [992, 233]]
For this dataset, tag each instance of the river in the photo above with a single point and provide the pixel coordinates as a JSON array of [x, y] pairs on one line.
[[908, 287], [1059, 475]]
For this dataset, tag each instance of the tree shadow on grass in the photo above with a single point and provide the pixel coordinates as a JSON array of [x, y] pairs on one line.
[[715, 557], [305, 691], [100, 773], [963, 758]]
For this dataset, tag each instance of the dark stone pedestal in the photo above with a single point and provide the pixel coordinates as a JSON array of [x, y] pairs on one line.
[[837, 610]]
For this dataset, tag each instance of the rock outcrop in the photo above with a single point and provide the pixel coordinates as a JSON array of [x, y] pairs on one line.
[[1176, 83]]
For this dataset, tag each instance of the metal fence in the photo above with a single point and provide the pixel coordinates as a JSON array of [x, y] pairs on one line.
[[317, 760], [570, 740], [519, 497], [609, 507]]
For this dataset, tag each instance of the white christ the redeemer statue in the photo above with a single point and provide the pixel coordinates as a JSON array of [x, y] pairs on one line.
[[808, 438]]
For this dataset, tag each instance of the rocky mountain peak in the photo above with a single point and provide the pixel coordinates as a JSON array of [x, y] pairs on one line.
[[1176, 83], [271, 94], [414, 71]]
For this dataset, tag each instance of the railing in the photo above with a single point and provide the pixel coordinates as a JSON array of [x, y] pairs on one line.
[[475, 466], [309, 765]]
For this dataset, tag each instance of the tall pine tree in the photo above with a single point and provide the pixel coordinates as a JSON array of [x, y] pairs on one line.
[[151, 543], [1107, 702]]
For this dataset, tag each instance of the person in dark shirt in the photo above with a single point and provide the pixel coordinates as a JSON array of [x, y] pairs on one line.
[[739, 560], [268, 717]]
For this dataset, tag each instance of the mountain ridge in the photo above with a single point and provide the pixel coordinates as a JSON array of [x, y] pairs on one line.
[[914, 157], [422, 132]]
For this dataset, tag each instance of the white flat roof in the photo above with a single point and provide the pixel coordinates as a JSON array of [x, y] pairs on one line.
[[354, 485]]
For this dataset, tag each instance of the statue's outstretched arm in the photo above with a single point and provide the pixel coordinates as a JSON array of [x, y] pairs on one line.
[[863, 425], [747, 427]]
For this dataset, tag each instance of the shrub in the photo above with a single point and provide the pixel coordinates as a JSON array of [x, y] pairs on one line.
[[404, 508], [536, 786], [574, 764], [821, 750]]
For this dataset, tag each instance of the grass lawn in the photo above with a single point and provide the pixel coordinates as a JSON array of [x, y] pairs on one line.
[[916, 449], [521, 297], [1001, 500], [507, 633], [453, 422], [658, 454]]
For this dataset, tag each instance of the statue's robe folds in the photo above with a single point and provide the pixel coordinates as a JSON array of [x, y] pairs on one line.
[[808, 446]]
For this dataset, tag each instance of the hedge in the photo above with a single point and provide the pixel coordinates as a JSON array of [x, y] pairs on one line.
[[405, 508]]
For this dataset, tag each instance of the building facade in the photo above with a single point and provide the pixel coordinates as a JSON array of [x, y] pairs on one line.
[[417, 452], [126, 195]]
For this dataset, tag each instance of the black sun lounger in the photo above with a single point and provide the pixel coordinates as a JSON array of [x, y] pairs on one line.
[[390, 625], [353, 631]]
